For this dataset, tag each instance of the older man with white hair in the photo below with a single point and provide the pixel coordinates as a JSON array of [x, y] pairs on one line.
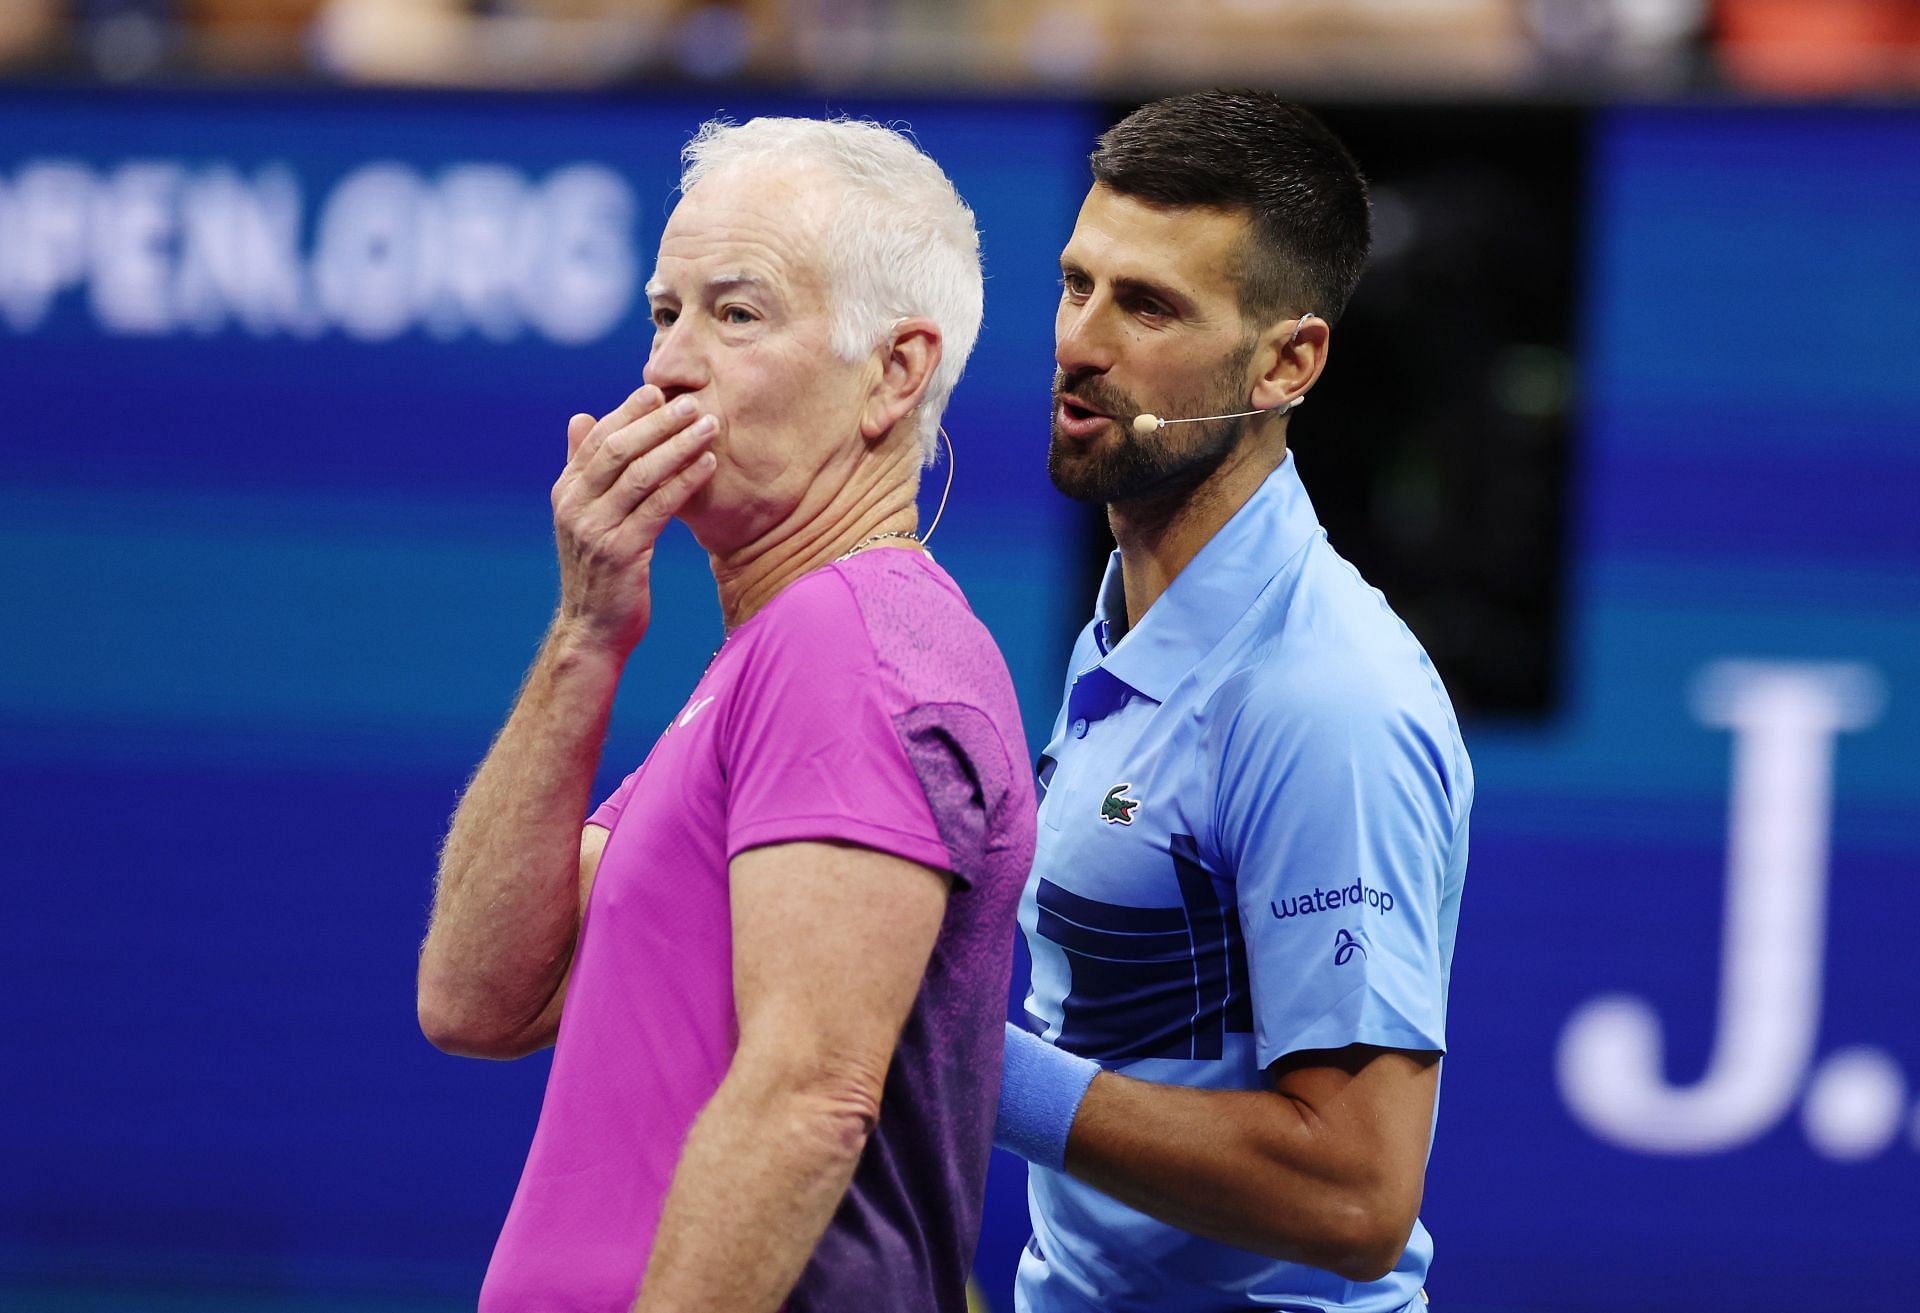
[[773, 963]]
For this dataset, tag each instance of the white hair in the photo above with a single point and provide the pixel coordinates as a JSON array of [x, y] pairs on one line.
[[900, 244]]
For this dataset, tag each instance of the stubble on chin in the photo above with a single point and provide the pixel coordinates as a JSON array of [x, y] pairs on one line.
[[1100, 474], [1136, 468], [1132, 467]]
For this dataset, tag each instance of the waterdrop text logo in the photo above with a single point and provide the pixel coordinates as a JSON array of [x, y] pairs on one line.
[[154, 247], [1357, 894], [1786, 718]]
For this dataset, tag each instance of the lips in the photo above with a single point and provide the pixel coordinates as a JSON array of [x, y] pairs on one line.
[[1076, 419]]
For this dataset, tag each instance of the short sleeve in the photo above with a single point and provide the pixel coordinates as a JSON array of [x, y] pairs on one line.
[[961, 762], [810, 742], [607, 814], [1334, 811]]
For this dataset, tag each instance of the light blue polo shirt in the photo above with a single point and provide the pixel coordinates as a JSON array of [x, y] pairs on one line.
[[1252, 841]]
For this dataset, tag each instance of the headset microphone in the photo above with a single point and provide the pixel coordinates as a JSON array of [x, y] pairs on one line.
[[1145, 424]]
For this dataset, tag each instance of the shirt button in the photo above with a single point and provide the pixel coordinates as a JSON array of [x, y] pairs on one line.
[[1080, 729]]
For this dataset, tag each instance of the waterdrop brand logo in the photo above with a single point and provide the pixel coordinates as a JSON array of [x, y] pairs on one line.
[[156, 247], [1357, 894], [1785, 719]]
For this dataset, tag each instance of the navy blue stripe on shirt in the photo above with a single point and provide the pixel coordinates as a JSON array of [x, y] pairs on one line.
[[1097, 915], [1220, 994], [1115, 946], [1162, 982]]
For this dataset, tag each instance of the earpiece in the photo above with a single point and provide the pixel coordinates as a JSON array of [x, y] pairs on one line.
[[1145, 424]]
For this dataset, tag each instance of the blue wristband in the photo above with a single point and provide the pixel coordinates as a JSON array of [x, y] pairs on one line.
[[1040, 1091]]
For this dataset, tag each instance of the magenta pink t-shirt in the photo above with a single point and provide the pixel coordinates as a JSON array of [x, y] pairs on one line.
[[865, 704]]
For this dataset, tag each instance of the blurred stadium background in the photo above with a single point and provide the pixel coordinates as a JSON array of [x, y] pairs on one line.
[[296, 295]]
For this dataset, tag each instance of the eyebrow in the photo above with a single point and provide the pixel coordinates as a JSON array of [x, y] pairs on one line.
[[657, 290]]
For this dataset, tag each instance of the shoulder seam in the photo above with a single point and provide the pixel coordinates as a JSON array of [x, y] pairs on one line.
[[1008, 762], [853, 599]]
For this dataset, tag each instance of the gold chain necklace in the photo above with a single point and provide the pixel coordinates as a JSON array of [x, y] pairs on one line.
[[864, 543], [905, 534]]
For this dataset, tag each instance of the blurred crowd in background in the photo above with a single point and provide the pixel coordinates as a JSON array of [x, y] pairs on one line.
[[1555, 47]]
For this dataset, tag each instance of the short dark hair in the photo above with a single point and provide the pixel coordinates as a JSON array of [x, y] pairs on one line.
[[1309, 226]]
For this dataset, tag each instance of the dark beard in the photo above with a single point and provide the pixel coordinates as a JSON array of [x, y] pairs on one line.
[[1163, 464]]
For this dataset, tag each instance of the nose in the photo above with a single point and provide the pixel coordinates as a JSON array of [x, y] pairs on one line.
[[1082, 343], [675, 364]]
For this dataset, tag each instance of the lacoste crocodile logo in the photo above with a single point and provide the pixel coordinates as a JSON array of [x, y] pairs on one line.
[[1118, 809]]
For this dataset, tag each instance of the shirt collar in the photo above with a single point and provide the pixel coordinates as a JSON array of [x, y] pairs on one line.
[[1209, 596]]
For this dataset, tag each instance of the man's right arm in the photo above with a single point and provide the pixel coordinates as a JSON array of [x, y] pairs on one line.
[[517, 865]]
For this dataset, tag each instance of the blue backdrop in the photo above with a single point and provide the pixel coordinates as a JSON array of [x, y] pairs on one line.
[[285, 381], [1683, 1048]]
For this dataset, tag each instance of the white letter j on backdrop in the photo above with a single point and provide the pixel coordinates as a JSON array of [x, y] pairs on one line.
[[1784, 718]]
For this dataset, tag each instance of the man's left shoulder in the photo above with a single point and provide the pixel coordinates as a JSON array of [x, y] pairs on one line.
[[1365, 692], [813, 613], [1340, 651], [1277, 692], [925, 633], [900, 588]]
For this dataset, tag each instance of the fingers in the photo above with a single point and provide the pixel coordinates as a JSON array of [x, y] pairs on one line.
[[577, 429], [642, 399], [627, 474], [607, 453], [669, 497], [648, 473]]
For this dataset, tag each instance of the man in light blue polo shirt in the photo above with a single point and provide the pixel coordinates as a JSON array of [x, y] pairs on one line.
[[1253, 834]]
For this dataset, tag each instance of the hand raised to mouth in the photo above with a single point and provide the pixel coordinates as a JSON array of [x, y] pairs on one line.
[[627, 474]]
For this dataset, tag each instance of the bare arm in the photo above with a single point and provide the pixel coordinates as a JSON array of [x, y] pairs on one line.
[[1326, 1168], [514, 871], [829, 944], [516, 863]]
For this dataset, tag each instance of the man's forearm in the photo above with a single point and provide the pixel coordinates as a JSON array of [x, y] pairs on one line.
[[506, 905], [1249, 1168], [763, 1170]]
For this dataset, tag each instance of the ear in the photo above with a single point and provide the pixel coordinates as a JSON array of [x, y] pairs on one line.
[[1289, 357], [907, 360]]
